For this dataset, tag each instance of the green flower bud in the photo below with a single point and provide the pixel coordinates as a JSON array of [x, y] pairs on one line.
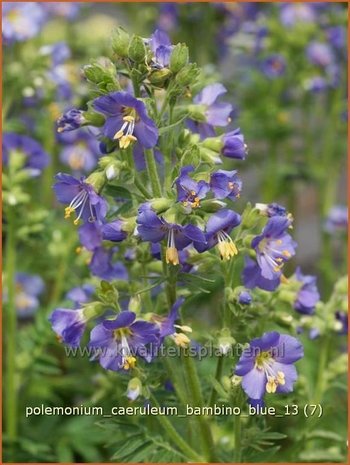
[[93, 310], [159, 77], [120, 42], [178, 58], [213, 143], [97, 179], [287, 296], [93, 119], [209, 156], [134, 389], [137, 50], [236, 380], [135, 303], [187, 75], [159, 205], [212, 205], [197, 112], [247, 241]]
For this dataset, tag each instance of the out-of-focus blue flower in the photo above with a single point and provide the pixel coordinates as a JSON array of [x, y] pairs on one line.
[[81, 198], [342, 318], [267, 365], [273, 66], [295, 13], [16, 145], [67, 10], [226, 184], [80, 150], [217, 232], [28, 289], [337, 219], [215, 113], [167, 16], [123, 339], [245, 297], [102, 265], [189, 191], [271, 209], [80, 294], [21, 21], [337, 36], [126, 120], [273, 247], [152, 228], [70, 120], [316, 84], [308, 295], [320, 54]]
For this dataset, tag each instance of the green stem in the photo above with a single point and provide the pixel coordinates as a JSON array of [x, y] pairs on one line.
[[10, 330], [153, 173], [175, 437], [321, 381], [238, 434], [218, 374], [197, 401]]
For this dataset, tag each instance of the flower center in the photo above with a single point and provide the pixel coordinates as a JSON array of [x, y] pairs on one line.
[[181, 339], [125, 133], [121, 335], [264, 361], [192, 199], [78, 204], [234, 187], [226, 246], [266, 248]]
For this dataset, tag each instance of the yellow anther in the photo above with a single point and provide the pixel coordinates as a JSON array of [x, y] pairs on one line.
[[118, 134], [129, 362], [68, 211], [286, 253], [271, 385], [172, 256], [129, 118], [277, 269], [181, 340], [76, 221], [185, 329], [279, 241], [227, 249], [281, 378], [78, 250]]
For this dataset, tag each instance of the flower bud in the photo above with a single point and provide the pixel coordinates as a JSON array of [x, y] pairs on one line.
[[111, 171], [178, 58], [159, 205], [135, 303], [92, 310], [97, 179], [197, 112], [159, 77], [187, 75], [134, 389], [213, 143], [212, 205], [137, 50], [120, 42]]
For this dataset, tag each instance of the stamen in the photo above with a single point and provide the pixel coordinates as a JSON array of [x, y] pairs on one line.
[[171, 253], [181, 339], [125, 133], [226, 246], [129, 362]]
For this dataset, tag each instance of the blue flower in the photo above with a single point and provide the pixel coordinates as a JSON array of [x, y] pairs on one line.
[[190, 192], [168, 326], [102, 265], [215, 113], [273, 66], [21, 21], [308, 295], [161, 47], [126, 120], [272, 209], [226, 184], [267, 365], [337, 219], [152, 228], [122, 339], [80, 294], [234, 145], [294, 13], [70, 120], [80, 150], [217, 232], [28, 289], [67, 10], [245, 297], [252, 277], [320, 54], [69, 325], [35, 158], [80, 197], [274, 247]]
